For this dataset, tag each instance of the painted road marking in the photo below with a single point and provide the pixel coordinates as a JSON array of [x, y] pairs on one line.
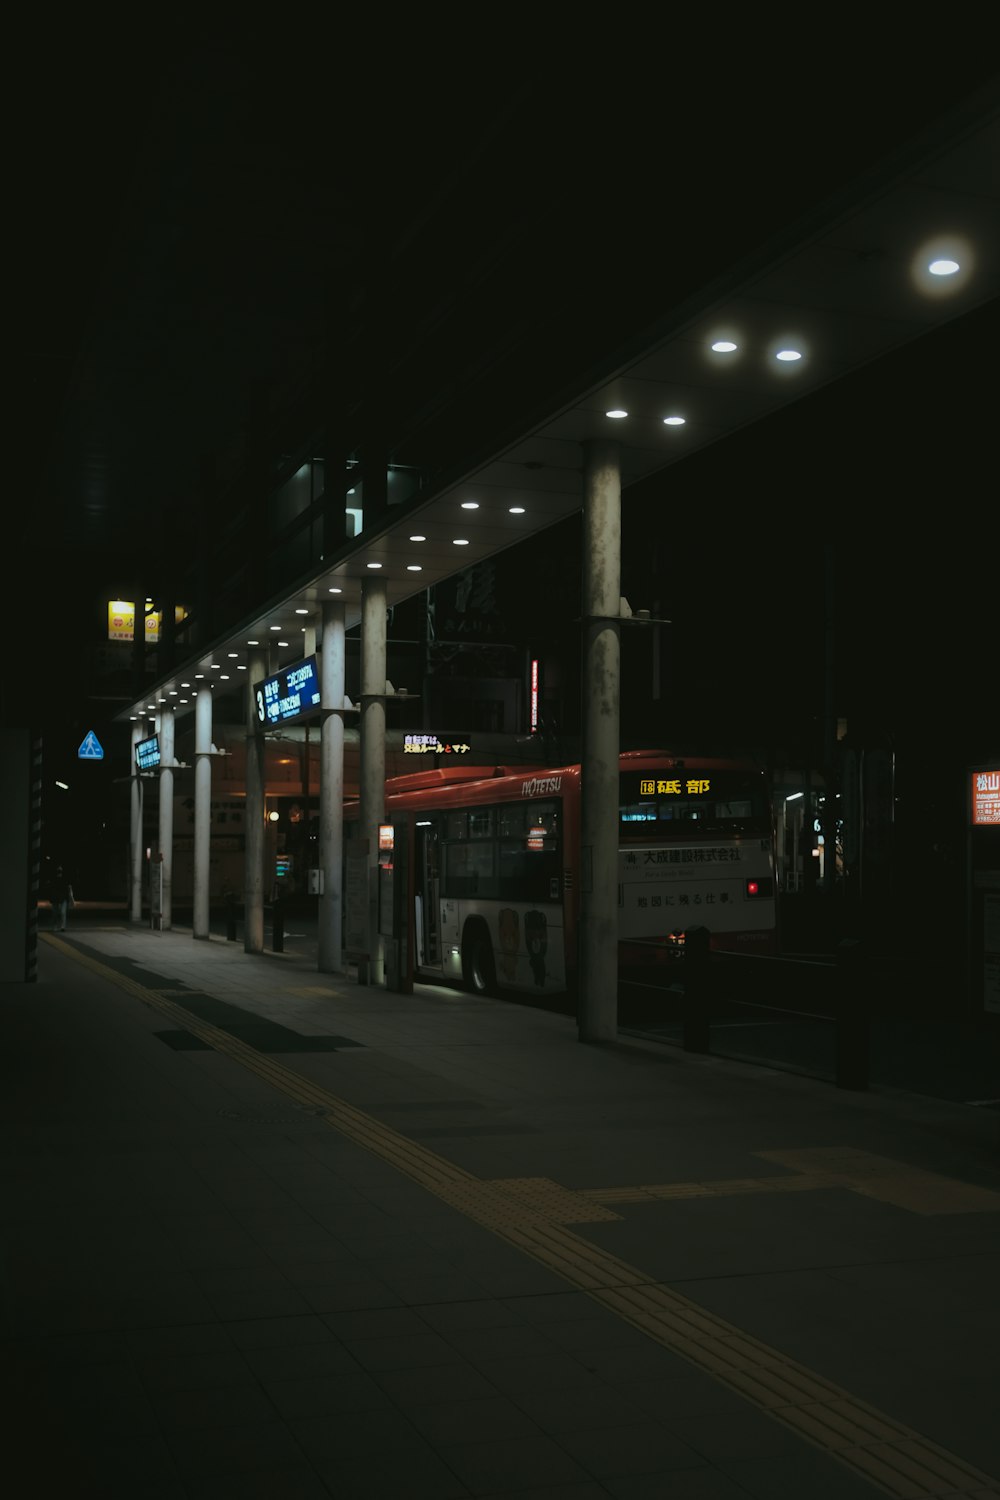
[[882, 1451]]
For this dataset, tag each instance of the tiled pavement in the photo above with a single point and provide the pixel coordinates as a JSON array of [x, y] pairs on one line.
[[271, 1234]]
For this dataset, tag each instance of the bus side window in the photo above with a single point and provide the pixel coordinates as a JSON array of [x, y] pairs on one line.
[[481, 823], [469, 869], [530, 847], [456, 826]]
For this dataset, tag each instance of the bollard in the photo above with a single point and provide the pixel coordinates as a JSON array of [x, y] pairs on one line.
[[696, 989], [853, 1018], [278, 927]]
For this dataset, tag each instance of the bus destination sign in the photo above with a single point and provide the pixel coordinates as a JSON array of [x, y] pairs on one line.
[[673, 785], [288, 695]]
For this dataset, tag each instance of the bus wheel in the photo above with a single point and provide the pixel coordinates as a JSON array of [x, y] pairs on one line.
[[479, 974]]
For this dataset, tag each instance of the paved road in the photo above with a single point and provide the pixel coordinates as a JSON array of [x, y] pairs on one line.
[[270, 1234]]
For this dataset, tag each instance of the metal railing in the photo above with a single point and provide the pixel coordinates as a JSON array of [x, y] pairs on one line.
[[701, 983]]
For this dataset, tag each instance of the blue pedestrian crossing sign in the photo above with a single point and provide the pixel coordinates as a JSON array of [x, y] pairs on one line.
[[91, 748]]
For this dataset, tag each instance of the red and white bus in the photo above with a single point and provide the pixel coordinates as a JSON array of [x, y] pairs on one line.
[[494, 865]]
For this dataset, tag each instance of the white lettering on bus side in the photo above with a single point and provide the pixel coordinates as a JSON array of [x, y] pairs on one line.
[[540, 786]]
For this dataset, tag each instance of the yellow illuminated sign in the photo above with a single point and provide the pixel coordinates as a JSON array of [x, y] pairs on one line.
[[430, 744], [654, 786], [121, 621]]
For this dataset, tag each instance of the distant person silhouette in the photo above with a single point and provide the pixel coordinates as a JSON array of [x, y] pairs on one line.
[[61, 897]]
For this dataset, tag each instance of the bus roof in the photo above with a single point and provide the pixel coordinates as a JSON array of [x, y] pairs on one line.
[[480, 782], [453, 775]]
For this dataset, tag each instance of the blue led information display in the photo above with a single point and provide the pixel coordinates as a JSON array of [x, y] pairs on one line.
[[288, 695], [147, 754]]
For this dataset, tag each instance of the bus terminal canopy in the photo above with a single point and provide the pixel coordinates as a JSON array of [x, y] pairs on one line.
[[884, 266]]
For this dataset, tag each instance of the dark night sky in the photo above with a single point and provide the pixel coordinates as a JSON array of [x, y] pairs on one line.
[[890, 471], [888, 474], [893, 468]]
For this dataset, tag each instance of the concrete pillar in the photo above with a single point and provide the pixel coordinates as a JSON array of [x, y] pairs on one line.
[[165, 852], [254, 842], [136, 849], [331, 790], [372, 734], [597, 1013], [202, 810]]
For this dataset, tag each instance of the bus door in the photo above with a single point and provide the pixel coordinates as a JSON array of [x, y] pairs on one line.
[[427, 893]]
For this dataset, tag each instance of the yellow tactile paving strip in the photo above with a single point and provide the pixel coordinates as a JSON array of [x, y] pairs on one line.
[[720, 1188], [911, 1188], [882, 1451], [890, 1181], [557, 1204]]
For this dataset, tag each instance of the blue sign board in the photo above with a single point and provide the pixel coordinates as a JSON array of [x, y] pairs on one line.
[[147, 754], [91, 748], [289, 695]]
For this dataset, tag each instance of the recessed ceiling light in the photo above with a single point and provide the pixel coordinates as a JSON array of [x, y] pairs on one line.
[[940, 266], [185, 684], [335, 591], [788, 355], [233, 655], [418, 539], [301, 611], [517, 510], [414, 568], [224, 677], [373, 565], [253, 643], [197, 677], [275, 627], [460, 541], [470, 504], [241, 669], [724, 346], [282, 643], [617, 413], [674, 421], [173, 692]]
